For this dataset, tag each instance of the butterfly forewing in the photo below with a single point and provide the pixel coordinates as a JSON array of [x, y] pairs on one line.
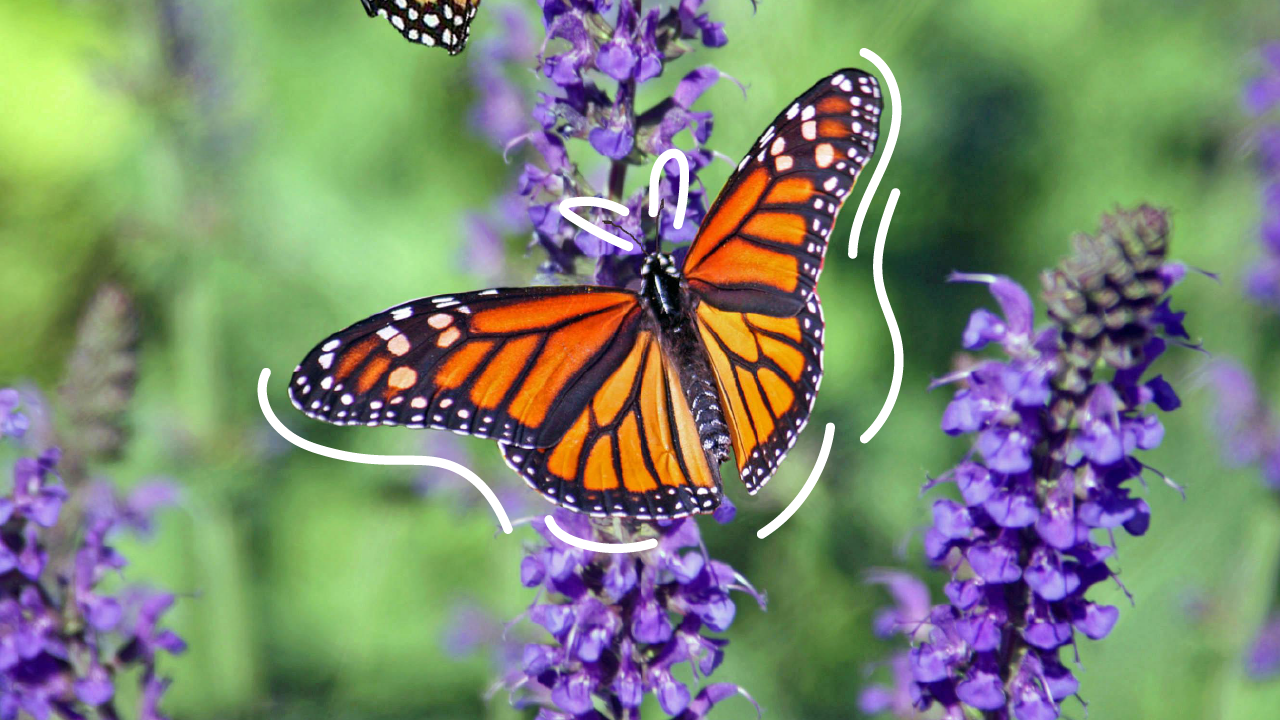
[[761, 246], [512, 364], [633, 451], [434, 23]]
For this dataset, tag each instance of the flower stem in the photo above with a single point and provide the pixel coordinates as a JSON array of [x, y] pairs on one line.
[[618, 170]]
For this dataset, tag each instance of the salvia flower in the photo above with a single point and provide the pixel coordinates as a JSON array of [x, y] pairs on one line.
[[12, 422], [619, 625], [1262, 99], [1263, 661], [64, 640], [908, 616], [594, 58], [1246, 426], [1056, 424], [1245, 422]]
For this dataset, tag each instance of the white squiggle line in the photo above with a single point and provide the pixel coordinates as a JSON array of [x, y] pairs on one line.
[[895, 122], [809, 484], [654, 177], [568, 205], [345, 456], [877, 269], [615, 548]]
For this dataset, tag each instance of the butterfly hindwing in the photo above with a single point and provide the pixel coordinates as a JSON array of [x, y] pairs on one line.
[[768, 370], [633, 451], [762, 244], [512, 364], [434, 23]]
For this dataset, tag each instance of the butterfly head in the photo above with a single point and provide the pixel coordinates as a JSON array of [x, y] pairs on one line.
[[659, 264]]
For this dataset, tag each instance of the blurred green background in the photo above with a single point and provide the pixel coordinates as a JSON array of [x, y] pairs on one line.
[[258, 174]]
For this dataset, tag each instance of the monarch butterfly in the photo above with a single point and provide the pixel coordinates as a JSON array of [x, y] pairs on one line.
[[617, 402], [434, 23]]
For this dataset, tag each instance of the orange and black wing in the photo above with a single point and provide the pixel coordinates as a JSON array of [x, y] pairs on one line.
[[517, 365], [755, 263], [768, 370], [633, 451], [761, 246], [434, 23]]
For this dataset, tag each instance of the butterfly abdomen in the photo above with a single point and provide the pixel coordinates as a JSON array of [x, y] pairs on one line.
[[708, 415], [699, 387]]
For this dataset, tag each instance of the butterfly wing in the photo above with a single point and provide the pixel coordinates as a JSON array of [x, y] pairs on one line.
[[768, 370], [754, 266], [633, 451], [513, 364], [434, 23], [761, 246]]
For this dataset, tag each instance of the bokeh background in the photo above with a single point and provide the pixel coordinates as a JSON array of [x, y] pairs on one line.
[[255, 175]]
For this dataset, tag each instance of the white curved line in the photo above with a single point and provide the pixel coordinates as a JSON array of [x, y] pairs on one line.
[[567, 210], [654, 176], [827, 437], [345, 456], [895, 122], [615, 548], [877, 270]]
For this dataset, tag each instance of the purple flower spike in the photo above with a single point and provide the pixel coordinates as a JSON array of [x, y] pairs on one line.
[[54, 616], [1055, 423], [625, 622]]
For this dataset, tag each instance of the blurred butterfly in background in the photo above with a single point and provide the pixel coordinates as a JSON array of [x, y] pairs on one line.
[[618, 402], [434, 23]]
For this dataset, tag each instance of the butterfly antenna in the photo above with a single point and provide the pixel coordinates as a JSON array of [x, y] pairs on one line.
[[624, 231]]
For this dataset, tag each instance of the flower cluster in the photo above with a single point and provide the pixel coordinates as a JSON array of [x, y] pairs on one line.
[[591, 44], [63, 640], [1055, 426], [1262, 98], [13, 423], [1245, 423], [621, 623]]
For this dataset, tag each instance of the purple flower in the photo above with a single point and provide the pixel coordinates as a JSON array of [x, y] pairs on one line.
[[1263, 94], [620, 624], [501, 113], [594, 58], [1263, 661], [1056, 423], [1262, 97], [12, 423], [1245, 424], [55, 619]]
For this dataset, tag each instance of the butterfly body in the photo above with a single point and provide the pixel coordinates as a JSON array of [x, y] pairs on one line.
[[612, 401], [434, 23], [669, 302]]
